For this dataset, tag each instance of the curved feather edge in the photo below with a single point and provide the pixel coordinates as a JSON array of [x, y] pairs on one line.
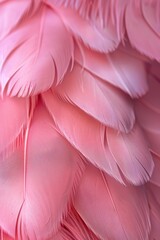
[[96, 10], [131, 153], [119, 68], [13, 14], [143, 38], [151, 13], [79, 128], [103, 145], [97, 99], [46, 50], [94, 36]]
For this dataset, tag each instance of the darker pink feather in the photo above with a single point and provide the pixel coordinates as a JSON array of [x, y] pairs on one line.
[[148, 114]]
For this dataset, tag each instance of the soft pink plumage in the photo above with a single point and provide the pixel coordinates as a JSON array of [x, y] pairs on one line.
[[80, 113]]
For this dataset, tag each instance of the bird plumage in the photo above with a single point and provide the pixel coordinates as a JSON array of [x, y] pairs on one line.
[[79, 120]]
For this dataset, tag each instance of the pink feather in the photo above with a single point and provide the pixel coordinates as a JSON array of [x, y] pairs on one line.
[[103, 39], [131, 153], [74, 228], [96, 98], [78, 128], [118, 68], [144, 37], [15, 13], [13, 115], [105, 204], [153, 191], [148, 115], [31, 174], [39, 56]]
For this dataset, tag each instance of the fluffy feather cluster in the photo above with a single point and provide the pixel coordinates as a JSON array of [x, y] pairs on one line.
[[79, 119]]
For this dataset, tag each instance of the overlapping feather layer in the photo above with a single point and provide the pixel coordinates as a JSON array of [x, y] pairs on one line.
[[79, 119]]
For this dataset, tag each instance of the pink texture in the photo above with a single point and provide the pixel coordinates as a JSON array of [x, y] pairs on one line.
[[80, 120]]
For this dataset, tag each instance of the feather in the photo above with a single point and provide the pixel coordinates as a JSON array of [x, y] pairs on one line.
[[45, 49], [11, 190], [74, 228], [151, 14], [103, 147], [83, 132], [105, 14], [118, 68], [155, 178], [153, 193], [149, 121], [127, 48], [78, 228], [52, 172], [131, 153], [148, 115], [97, 98], [14, 13], [13, 114], [87, 9], [104, 205], [143, 37], [151, 99], [96, 37], [155, 70], [40, 186]]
